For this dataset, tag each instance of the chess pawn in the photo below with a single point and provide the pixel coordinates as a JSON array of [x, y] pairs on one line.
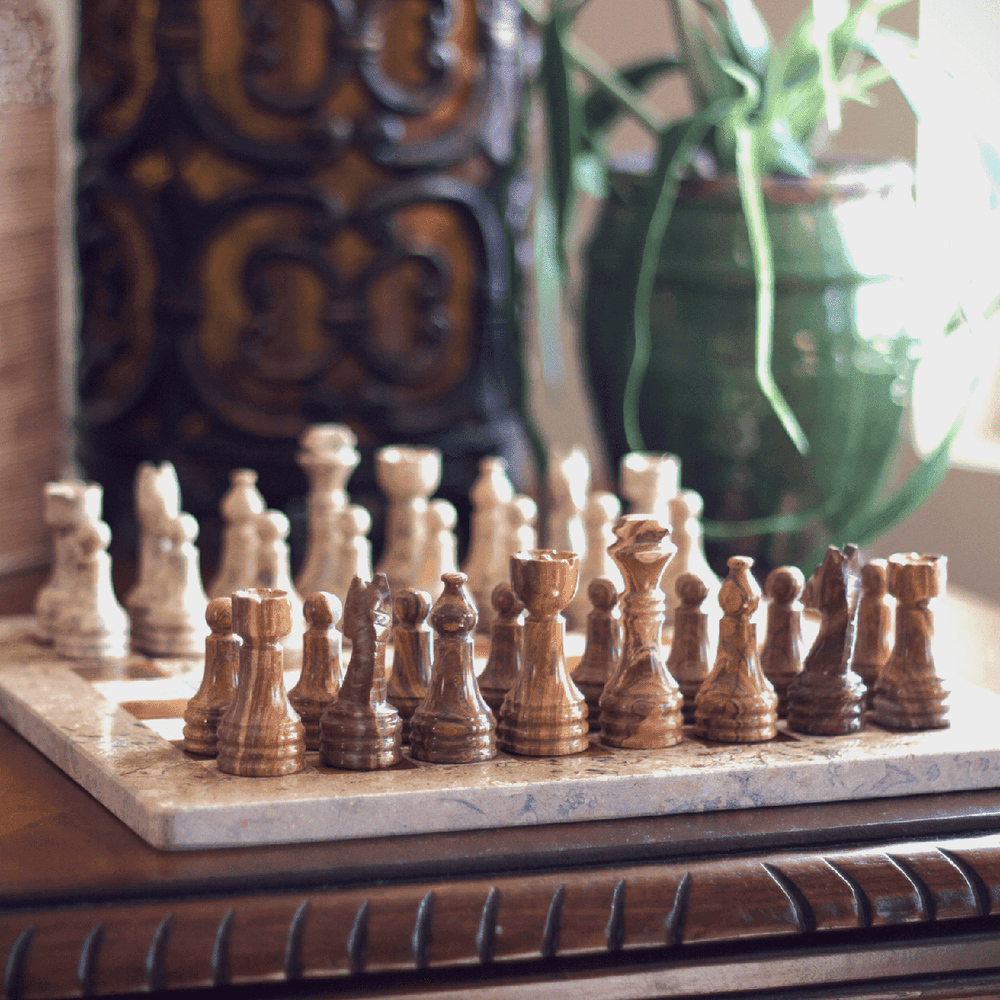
[[66, 504], [453, 724], [91, 622], [641, 703], [690, 650], [568, 484], [240, 508], [361, 731], [685, 531], [873, 646], [543, 714], [355, 554], [781, 650], [828, 698], [411, 654], [600, 514], [322, 673], [506, 636], [260, 735], [440, 553], [736, 703], [407, 476], [218, 683], [648, 481], [273, 572], [328, 457], [909, 693], [522, 513], [603, 648]]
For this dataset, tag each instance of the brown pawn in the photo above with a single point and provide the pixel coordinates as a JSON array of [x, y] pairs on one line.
[[909, 694], [361, 731], [260, 735], [603, 648], [828, 697], [322, 672], [453, 724], [641, 703], [688, 661], [218, 683], [873, 646], [543, 714], [506, 637], [411, 654], [736, 703], [781, 650]]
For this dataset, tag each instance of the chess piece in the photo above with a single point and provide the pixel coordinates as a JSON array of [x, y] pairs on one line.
[[641, 703], [909, 693], [781, 650], [328, 457], [440, 552], [322, 673], [690, 650], [361, 731], [736, 703], [91, 623], [543, 715], [648, 481], [522, 513], [453, 724], [600, 515], [66, 503], [411, 654], [685, 531], [218, 683], [487, 561], [603, 648], [355, 553], [568, 485], [407, 476], [260, 735], [241, 505], [828, 697], [274, 572], [174, 624], [506, 636], [873, 646]]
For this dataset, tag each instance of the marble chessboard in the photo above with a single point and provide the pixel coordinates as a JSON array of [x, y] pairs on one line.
[[115, 729]]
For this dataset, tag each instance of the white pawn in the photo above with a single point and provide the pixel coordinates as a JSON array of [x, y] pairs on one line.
[[685, 532], [240, 508], [328, 457], [489, 531], [274, 572], [569, 484], [600, 515], [521, 536], [175, 623], [649, 480], [440, 554], [91, 623], [354, 558]]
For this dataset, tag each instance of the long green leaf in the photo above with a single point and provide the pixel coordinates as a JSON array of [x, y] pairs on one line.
[[600, 108], [745, 32]]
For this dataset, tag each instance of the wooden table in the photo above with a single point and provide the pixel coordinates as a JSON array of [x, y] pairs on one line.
[[897, 897]]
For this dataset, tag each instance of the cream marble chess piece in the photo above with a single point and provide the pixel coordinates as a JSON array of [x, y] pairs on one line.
[[649, 480], [354, 558], [240, 507], [440, 553], [568, 486], [600, 515], [273, 572], [328, 456], [684, 511]]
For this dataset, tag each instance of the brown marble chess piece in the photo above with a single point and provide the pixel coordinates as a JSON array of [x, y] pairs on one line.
[[218, 683], [781, 651], [506, 637], [453, 724], [736, 703], [322, 672], [909, 693], [690, 651], [544, 713], [828, 697], [361, 731], [603, 646], [412, 640], [873, 646], [260, 736], [641, 703]]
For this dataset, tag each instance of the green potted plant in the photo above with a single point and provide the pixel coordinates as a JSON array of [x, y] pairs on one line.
[[745, 300]]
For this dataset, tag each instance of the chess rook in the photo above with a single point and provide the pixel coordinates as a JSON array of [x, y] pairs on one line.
[[412, 641], [781, 650], [453, 724], [260, 736], [241, 505], [544, 713], [506, 636], [690, 650], [603, 646], [873, 646], [322, 673], [218, 683]]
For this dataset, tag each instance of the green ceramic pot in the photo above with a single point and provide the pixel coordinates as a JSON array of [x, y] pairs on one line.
[[842, 244]]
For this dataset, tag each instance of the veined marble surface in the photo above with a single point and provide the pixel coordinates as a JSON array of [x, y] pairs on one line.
[[174, 800]]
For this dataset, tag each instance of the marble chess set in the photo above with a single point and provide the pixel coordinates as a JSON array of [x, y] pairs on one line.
[[373, 707]]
